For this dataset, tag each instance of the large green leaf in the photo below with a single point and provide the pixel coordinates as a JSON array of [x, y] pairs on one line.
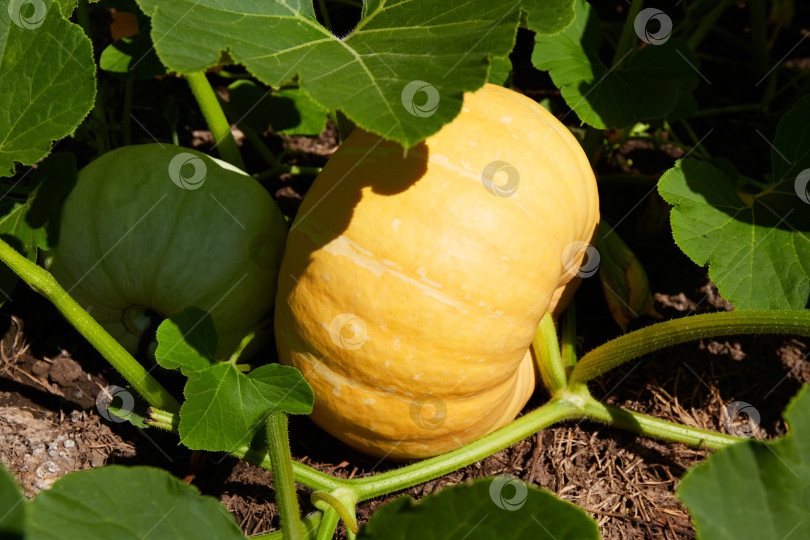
[[224, 407], [757, 246], [644, 84], [757, 490], [500, 508], [127, 503], [47, 80], [401, 72]]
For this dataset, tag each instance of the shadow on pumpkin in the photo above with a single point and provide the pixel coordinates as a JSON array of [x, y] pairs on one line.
[[365, 162]]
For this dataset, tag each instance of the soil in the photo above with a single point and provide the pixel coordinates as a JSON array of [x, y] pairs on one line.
[[50, 378]]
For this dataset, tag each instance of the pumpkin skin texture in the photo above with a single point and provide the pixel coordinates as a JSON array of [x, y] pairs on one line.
[[410, 290], [132, 237]]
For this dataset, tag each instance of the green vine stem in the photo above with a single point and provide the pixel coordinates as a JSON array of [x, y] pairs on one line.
[[343, 501], [381, 484], [162, 419], [547, 356], [655, 427], [628, 39], [278, 447], [301, 473], [276, 166], [294, 170], [311, 523], [215, 118], [707, 22], [306, 475], [574, 402], [45, 284], [329, 523], [635, 344]]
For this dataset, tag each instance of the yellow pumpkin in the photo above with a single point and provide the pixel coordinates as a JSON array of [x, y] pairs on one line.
[[412, 285]]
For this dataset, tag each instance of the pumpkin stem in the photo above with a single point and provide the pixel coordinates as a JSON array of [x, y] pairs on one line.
[[140, 318]]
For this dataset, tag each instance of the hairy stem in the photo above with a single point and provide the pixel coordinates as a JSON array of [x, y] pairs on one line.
[[215, 118], [423, 471], [311, 523], [45, 284], [342, 501], [278, 447], [656, 428], [329, 523], [629, 346], [258, 456]]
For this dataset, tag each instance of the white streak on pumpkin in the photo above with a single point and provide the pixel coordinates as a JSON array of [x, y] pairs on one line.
[[343, 247], [421, 273]]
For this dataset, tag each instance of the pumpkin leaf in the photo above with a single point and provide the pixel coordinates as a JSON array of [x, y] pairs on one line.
[[187, 341], [289, 111], [47, 80], [548, 16], [502, 508], [400, 73], [643, 85], [757, 246], [12, 510], [755, 489], [224, 407], [126, 503], [499, 70]]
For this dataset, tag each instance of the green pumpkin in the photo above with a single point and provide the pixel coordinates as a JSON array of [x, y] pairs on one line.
[[160, 228]]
